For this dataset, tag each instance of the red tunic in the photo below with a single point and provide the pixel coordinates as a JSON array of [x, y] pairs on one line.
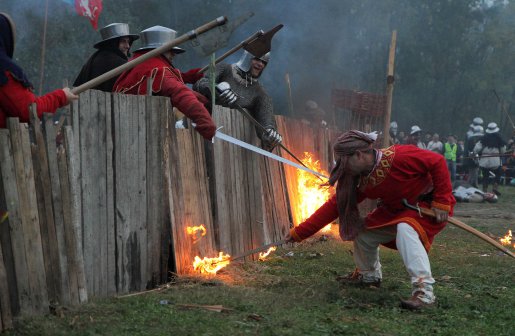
[[167, 81], [403, 172], [15, 100]]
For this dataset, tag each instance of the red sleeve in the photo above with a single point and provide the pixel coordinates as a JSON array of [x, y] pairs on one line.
[[15, 100], [424, 161], [192, 76], [184, 99], [326, 214]]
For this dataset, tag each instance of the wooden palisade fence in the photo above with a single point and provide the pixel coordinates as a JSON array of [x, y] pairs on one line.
[[104, 210]]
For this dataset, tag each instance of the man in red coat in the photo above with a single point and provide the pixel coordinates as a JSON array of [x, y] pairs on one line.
[[389, 175], [16, 92], [167, 80]]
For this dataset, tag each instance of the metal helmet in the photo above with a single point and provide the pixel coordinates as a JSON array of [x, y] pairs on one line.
[[492, 128], [477, 121], [156, 36], [9, 46], [113, 31], [245, 61], [477, 131]]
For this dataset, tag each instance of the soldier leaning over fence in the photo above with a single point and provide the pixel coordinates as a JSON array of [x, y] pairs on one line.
[[166, 79], [112, 52], [245, 89], [16, 92]]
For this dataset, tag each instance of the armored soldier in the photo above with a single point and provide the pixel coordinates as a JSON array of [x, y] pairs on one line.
[[167, 80], [112, 52], [240, 82]]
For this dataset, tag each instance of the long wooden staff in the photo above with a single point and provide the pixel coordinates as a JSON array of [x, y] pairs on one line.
[[165, 47], [235, 49], [461, 225]]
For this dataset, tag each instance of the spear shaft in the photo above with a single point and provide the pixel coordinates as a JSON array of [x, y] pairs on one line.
[[461, 225]]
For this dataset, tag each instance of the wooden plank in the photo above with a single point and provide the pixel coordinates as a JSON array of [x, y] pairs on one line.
[[5, 301], [130, 192], [389, 90], [29, 215], [45, 210], [102, 104], [69, 232], [11, 230], [5, 238], [155, 178], [110, 209], [177, 208], [73, 165], [86, 129], [166, 229], [51, 151]]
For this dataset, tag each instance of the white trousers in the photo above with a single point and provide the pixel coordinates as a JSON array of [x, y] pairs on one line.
[[414, 255]]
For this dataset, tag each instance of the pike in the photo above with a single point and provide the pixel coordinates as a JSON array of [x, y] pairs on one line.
[[234, 49], [461, 225], [155, 52], [257, 44], [257, 250]]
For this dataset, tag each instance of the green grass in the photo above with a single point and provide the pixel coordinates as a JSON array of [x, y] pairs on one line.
[[299, 295]]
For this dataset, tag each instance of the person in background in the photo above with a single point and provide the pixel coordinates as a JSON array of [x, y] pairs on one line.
[[477, 121], [489, 149], [427, 137], [112, 52], [414, 137], [402, 138], [450, 150], [16, 91], [390, 174], [435, 145], [471, 163], [167, 80]]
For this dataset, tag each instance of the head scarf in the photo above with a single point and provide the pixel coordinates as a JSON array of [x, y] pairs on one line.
[[346, 190], [6, 52]]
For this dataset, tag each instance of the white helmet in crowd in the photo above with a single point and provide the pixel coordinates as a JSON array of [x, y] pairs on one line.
[[476, 121], [415, 129]]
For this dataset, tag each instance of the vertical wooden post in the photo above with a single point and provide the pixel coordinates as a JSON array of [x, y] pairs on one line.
[[290, 100], [389, 90]]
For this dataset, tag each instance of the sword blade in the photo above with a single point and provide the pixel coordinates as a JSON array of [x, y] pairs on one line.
[[255, 149]]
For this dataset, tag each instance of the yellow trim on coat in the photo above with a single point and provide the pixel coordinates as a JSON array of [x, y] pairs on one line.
[[416, 225]]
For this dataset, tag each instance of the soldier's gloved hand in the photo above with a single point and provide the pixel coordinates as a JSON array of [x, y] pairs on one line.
[[226, 96], [271, 138]]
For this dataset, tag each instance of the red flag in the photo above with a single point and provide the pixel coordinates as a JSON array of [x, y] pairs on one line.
[[90, 9]]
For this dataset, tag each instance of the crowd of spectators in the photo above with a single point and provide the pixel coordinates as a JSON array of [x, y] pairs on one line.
[[481, 156]]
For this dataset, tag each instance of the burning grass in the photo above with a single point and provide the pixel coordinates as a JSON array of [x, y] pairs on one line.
[[298, 294]]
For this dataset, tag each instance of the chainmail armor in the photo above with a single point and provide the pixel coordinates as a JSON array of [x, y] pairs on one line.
[[251, 94]]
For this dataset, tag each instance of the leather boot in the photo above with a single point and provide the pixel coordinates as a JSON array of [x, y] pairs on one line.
[[416, 302]]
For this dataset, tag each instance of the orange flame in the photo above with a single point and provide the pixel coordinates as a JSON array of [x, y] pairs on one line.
[[211, 265], [310, 192], [194, 230], [506, 240], [263, 255]]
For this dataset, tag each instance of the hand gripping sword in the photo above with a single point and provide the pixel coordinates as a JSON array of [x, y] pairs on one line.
[[461, 225]]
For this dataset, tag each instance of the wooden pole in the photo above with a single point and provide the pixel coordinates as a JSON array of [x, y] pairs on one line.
[[43, 47], [129, 65], [389, 90], [290, 100], [461, 225]]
